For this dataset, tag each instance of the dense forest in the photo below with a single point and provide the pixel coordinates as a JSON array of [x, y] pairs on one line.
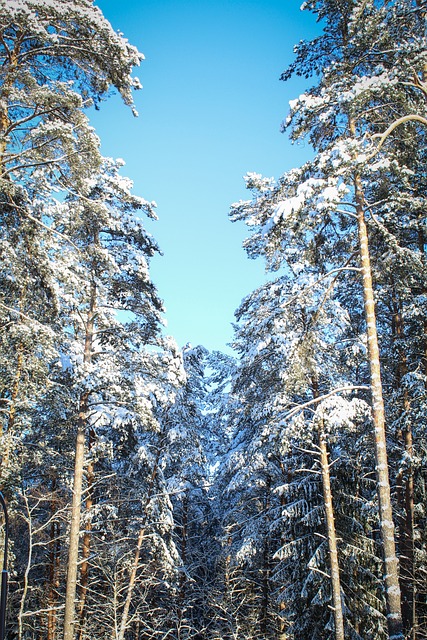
[[156, 493]]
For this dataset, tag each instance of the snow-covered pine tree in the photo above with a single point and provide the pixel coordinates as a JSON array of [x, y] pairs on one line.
[[362, 63], [56, 59], [396, 194], [186, 470], [120, 368], [285, 339], [246, 478], [130, 371]]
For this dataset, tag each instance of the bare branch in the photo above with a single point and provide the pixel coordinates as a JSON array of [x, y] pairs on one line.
[[22, 315], [413, 117], [300, 407]]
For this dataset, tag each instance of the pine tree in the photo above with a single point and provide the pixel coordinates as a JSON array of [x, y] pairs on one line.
[[57, 60], [47, 145], [289, 371], [364, 73], [187, 475], [109, 275]]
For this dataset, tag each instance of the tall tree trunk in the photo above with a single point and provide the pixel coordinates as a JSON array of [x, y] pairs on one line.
[[227, 581], [53, 565], [131, 584], [6, 87], [5, 123], [405, 484], [410, 572], [84, 568], [330, 527], [391, 578], [183, 554], [332, 537], [73, 549], [266, 566], [281, 631]]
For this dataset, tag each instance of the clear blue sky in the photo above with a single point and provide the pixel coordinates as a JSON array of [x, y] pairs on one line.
[[210, 111]]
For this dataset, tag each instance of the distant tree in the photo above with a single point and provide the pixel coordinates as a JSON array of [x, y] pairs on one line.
[[184, 460]]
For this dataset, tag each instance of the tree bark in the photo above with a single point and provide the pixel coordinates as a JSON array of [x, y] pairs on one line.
[[183, 553], [330, 527], [266, 566], [84, 569], [4, 95], [281, 631], [332, 539], [391, 578], [131, 584], [73, 549], [405, 483], [53, 566]]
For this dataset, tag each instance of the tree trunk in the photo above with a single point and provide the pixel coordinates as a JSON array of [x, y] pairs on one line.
[[332, 538], [183, 553], [406, 489], [73, 550], [133, 573], [84, 569], [330, 527], [281, 631], [53, 566], [266, 568], [227, 581], [4, 98], [391, 578]]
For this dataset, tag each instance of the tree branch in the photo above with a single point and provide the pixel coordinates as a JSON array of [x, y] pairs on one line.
[[413, 117]]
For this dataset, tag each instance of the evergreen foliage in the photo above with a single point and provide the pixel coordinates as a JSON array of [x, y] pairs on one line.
[[163, 493]]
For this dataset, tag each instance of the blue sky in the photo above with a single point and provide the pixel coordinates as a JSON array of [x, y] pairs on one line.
[[210, 111]]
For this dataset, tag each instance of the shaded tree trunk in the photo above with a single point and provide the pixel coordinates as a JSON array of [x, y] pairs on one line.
[[330, 527], [183, 553], [405, 483], [84, 568], [281, 631], [53, 568], [266, 566]]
